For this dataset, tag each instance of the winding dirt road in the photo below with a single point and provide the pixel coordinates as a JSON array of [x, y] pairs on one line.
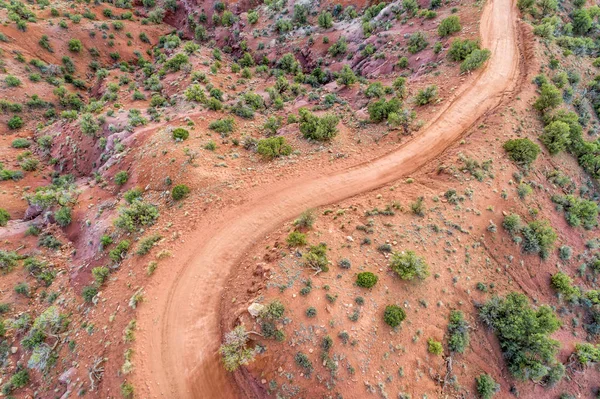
[[179, 326]]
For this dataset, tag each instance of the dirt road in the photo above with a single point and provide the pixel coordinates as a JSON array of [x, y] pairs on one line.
[[179, 335]]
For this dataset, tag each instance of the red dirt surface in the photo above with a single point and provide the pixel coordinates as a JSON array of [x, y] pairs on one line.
[[180, 329]]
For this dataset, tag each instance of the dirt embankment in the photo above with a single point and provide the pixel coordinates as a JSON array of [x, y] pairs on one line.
[[180, 328]]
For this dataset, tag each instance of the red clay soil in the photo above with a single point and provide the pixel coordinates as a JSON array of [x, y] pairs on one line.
[[180, 329]]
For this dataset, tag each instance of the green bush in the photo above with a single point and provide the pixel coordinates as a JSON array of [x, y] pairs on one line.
[[325, 20], [179, 192], [578, 211], [562, 283], [522, 151], [303, 361], [305, 220], [223, 126], [524, 335], [409, 265], [296, 239], [15, 122], [317, 128], [449, 26], [426, 95], [346, 76], [556, 137], [100, 274], [460, 49], [75, 45], [273, 147], [512, 223], [21, 143], [366, 279], [4, 217], [63, 216], [486, 386], [550, 97], [136, 215], [132, 195], [316, 258], [474, 60], [147, 244], [339, 47], [434, 347], [117, 254], [538, 237], [394, 315], [180, 134], [121, 178], [417, 42], [381, 109], [12, 81], [458, 332]]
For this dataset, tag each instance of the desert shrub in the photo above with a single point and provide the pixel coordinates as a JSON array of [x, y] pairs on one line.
[[223, 126], [346, 76], [381, 109], [316, 258], [272, 124], [562, 283], [75, 45], [136, 215], [8, 261], [88, 125], [538, 237], [486, 386], [147, 244], [179, 192], [311, 312], [15, 122], [458, 332], [409, 265], [4, 217], [460, 49], [512, 223], [449, 26], [132, 195], [325, 20], [121, 178], [303, 361], [118, 253], [20, 143], [434, 347], [582, 21], [474, 60], [234, 350], [586, 353], [273, 147], [339, 47], [305, 220], [317, 128], [393, 315], [578, 211], [417, 42], [296, 239], [176, 62], [195, 93], [100, 274], [522, 151], [49, 241], [180, 134], [550, 97], [366, 279], [426, 95], [556, 137], [63, 216], [523, 334], [12, 81], [252, 17]]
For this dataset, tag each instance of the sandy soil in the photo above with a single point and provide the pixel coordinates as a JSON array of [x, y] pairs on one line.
[[180, 328]]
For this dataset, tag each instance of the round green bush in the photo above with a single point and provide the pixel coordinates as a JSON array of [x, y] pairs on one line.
[[394, 315], [4, 217], [180, 134], [121, 178], [366, 279], [63, 216], [180, 191], [15, 122]]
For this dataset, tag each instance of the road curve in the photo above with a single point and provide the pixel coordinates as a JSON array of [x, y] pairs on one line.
[[176, 350]]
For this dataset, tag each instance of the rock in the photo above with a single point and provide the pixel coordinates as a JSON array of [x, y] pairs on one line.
[[14, 350], [66, 377], [350, 239], [255, 308], [32, 212]]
